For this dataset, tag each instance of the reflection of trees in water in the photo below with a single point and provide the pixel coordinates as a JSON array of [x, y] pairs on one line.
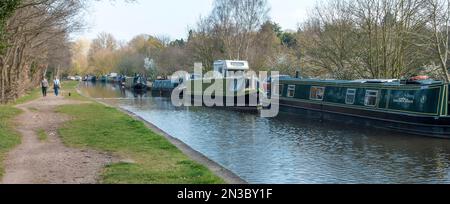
[[103, 90], [165, 104], [361, 151]]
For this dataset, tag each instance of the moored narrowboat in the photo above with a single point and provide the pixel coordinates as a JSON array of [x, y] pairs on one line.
[[163, 88], [137, 83], [413, 107], [230, 87], [90, 78], [104, 79]]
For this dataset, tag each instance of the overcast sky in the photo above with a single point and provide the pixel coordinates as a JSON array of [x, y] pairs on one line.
[[173, 17]]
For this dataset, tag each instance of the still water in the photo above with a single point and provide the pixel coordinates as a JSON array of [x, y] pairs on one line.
[[290, 148]]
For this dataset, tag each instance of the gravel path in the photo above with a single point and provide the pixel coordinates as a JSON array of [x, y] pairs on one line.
[[49, 161]]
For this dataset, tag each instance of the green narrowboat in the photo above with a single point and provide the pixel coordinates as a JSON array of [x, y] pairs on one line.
[[229, 87], [104, 79], [137, 83], [236, 93], [413, 107]]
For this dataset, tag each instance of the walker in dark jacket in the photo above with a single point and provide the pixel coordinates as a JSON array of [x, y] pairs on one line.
[[44, 85]]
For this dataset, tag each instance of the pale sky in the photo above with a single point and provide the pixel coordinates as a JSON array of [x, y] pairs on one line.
[[173, 17]]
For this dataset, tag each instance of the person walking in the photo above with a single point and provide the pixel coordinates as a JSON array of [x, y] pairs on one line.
[[56, 86], [44, 85]]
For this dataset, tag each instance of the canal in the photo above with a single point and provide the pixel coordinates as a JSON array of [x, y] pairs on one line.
[[290, 149]]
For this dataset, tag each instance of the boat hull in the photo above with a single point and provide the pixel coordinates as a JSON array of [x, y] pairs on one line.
[[161, 92], [430, 126], [140, 87], [234, 102]]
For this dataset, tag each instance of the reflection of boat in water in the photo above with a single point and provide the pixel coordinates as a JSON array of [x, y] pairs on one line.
[[137, 83], [231, 87], [415, 107], [139, 94]]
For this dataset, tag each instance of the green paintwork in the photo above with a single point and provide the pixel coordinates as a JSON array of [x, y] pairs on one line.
[[217, 87], [419, 99]]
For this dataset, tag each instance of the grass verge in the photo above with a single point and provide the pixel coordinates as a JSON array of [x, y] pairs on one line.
[[42, 135], [69, 87], [8, 137], [156, 160], [29, 96]]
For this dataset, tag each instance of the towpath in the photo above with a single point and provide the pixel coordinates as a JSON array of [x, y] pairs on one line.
[[49, 161]]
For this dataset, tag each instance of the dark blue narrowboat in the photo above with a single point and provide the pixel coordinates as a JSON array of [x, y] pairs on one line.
[[163, 88], [412, 107]]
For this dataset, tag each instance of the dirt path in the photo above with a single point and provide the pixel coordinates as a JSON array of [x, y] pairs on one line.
[[49, 161]]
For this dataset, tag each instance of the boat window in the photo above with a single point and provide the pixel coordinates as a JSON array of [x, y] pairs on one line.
[[237, 64], [291, 91], [351, 95], [317, 93], [371, 98]]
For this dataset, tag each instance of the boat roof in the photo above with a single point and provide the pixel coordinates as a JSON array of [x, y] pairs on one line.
[[232, 64], [382, 82]]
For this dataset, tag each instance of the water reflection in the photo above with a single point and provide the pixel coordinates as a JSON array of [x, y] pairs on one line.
[[291, 148]]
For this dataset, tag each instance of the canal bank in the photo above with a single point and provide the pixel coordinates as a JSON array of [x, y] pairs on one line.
[[146, 157], [228, 176], [78, 131], [290, 148], [41, 157]]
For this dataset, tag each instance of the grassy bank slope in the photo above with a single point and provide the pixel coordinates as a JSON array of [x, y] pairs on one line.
[[155, 160]]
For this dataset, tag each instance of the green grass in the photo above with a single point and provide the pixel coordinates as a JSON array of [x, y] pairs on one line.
[[29, 96], [42, 135], [107, 129], [157, 161], [70, 87], [8, 137]]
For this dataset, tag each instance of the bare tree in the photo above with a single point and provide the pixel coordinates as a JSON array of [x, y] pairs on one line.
[[37, 37], [330, 40], [439, 19], [367, 38], [236, 21]]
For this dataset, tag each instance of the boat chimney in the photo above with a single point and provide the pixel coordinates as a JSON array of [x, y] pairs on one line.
[[298, 74]]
